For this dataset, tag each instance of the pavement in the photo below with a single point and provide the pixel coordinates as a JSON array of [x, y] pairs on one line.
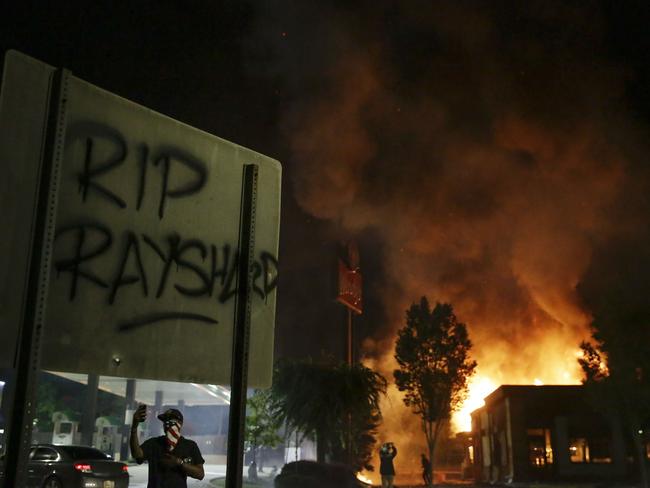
[[139, 473]]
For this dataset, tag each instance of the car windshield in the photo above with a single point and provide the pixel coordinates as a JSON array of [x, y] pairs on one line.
[[81, 452]]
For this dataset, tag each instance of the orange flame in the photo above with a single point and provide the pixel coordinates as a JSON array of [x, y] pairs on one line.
[[361, 476], [562, 369], [479, 388]]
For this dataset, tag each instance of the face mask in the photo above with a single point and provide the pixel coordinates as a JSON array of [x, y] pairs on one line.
[[172, 433]]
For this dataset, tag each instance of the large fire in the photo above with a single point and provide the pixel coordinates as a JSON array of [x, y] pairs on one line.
[[550, 360], [491, 192], [563, 372], [479, 388]]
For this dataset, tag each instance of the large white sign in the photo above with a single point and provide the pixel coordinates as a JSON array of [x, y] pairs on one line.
[[143, 269]]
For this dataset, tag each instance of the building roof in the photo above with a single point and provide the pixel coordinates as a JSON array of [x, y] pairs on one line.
[[535, 394]]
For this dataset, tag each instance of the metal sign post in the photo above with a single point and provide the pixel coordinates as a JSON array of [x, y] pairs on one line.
[[241, 334], [29, 344]]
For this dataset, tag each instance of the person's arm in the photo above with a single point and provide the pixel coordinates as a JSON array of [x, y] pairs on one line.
[[394, 451], [193, 470], [136, 450], [194, 465]]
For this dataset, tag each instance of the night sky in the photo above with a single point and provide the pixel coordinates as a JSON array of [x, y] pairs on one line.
[[490, 154]]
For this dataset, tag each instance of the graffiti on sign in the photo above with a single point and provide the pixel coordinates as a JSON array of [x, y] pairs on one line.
[[144, 265]]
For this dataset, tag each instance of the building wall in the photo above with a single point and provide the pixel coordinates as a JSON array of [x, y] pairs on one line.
[[524, 434], [569, 469]]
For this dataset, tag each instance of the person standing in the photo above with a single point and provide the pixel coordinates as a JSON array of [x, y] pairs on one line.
[[387, 453], [426, 469], [171, 457]]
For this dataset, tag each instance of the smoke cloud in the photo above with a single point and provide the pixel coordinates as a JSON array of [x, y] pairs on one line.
[[489, 146]]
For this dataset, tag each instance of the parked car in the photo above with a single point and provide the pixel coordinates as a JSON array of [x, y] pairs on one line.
[[52, 466]]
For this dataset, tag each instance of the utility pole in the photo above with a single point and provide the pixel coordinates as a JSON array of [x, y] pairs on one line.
[[350, 296], [350, 356], [349, 291]]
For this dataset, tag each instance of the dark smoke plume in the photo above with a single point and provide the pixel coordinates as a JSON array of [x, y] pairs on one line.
[[489, 145], [484, 143]]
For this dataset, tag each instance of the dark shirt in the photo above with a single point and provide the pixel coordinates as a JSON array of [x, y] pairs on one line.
[[174, 477], [386, 466]]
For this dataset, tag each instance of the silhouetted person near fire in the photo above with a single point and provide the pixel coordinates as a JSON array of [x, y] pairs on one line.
[[426, 469], [387, 453], [171, 457]]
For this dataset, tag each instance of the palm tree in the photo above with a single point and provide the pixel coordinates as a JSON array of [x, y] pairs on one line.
[[336, 405]]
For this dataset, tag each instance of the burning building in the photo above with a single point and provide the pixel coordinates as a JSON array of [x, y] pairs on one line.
[[493, 167], [538, 433]]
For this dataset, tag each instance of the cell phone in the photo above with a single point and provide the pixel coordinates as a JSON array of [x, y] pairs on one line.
[[142, 409]]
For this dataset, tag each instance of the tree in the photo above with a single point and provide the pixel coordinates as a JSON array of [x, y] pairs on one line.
[[620, 388], [432, 351], [46, 405], [261, 425], [616, 362], [49, 399], [336, 405]]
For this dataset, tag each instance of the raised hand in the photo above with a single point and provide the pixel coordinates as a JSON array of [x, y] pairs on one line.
[[140, 414]]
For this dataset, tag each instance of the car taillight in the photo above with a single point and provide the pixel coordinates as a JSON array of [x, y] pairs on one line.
[[125, 468], [84, 468]]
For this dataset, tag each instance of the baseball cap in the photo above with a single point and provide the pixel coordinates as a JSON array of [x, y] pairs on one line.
[[171, 413]]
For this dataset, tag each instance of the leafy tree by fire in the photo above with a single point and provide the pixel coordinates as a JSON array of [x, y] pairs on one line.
[[261, 425], [434, 366], [336, 405], [616, 362]]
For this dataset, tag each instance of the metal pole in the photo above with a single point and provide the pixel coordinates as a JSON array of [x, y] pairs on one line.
[[241, 332], [129, 408], [350, 362], [350, 358], [90, 410], [33, 319], [154, 426]]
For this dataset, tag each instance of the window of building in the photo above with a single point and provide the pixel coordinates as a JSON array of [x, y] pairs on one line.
[[600, 450], [590, 450], [548, 449], [579, 450], [540, 450]]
